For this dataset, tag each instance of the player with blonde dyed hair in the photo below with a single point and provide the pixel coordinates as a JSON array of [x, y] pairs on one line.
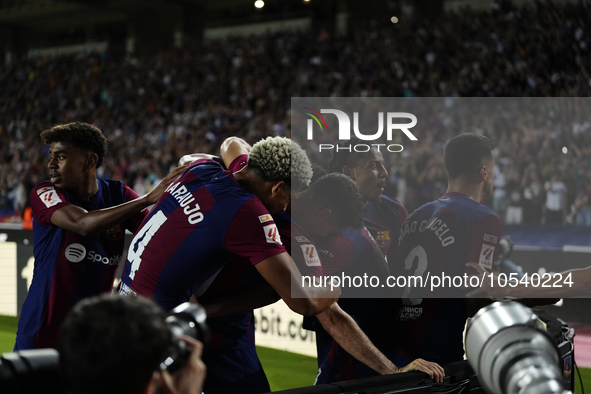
[[210, 216], [274, 168], [279, 158]]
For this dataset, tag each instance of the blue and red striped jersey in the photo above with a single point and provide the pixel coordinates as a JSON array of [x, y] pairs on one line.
[[441, 236], [362, 256], [68, 266], [202, 221]]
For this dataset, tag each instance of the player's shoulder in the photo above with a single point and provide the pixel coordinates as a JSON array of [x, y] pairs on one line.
[[299, 233], [471, 210], [426, 209], [110, 185], [205, 165], [391, 203], [211, 174], [282, 219], [247, 210], [43, 186], [354, 235], [45, 196], [44, 190], [485, 211]]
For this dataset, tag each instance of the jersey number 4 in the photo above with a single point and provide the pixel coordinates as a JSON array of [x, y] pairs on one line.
[[141, 240]]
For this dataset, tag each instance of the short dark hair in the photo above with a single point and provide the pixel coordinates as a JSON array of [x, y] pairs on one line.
[[342, 195], [343, 154], [465, 153], [113, 344], [82, 135], [317, 172]]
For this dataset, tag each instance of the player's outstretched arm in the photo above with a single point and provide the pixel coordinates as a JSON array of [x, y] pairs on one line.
[[283, 275], [341, 326], [250, 297], [78, 220], [233, 147], [189, 379]]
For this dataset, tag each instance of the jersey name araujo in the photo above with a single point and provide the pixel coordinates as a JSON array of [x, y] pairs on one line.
[[434, 224], [184, 198]]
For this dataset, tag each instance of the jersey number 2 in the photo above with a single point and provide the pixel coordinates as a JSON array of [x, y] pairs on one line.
[[418, 252]]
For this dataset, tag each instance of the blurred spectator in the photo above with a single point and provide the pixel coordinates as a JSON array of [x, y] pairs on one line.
[[499, 197], [533, 197], [583, 205], [154, 110], [514, 208], [555, 200]]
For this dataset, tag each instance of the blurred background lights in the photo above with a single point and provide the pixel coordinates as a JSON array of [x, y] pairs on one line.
[[394, 19], [259, 4], [564, 150]]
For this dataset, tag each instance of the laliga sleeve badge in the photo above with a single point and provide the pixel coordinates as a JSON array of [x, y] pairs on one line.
[[49, 197], [486, 256], [310, 255], [272, 234]]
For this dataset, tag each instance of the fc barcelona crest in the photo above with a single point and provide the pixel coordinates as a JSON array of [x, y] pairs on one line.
[[114, 233], [383, 238]]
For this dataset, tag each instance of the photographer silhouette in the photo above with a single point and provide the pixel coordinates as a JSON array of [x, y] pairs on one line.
[[117, 344]]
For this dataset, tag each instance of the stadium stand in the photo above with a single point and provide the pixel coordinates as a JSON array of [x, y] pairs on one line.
[[155, 109]]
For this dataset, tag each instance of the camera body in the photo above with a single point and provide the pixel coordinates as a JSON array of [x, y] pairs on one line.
[[508, 348], [31, 371], [38, 370], [186, 319]]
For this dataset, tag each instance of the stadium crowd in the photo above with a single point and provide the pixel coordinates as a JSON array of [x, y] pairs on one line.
[[190, 99]]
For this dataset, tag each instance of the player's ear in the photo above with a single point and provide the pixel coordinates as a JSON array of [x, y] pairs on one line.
[[278, 188], [91, 160], [347, 170], [484, 170], [324, 213]]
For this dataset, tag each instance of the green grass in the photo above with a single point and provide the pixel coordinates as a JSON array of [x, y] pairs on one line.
[[586, 377], [285, 370], [7, 333]]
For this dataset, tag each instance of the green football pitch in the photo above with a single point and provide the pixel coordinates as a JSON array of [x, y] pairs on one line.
[[285, 370]]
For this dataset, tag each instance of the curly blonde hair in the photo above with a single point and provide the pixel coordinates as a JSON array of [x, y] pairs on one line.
[[280, 159]]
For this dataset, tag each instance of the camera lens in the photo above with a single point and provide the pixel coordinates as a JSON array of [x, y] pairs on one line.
[[510, 353], [186, 319]]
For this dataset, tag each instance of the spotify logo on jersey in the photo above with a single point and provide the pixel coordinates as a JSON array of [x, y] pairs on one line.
[[75, 253]]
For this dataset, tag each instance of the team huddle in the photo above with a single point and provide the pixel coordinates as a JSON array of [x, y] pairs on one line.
[[239, 231]]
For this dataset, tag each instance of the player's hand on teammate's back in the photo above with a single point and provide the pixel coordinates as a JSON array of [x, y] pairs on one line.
[[154, 195], [189, 379], [434, 370]]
